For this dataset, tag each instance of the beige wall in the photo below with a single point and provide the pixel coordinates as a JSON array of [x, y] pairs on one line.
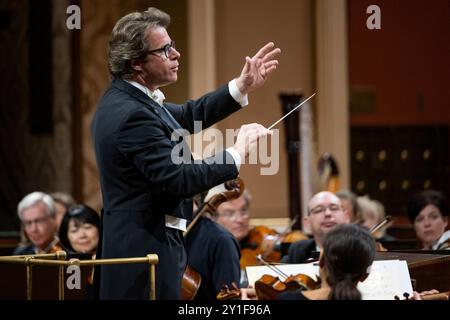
[[242, 28]]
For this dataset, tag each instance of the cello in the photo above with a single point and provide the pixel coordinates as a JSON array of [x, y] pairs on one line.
[[232, 189]]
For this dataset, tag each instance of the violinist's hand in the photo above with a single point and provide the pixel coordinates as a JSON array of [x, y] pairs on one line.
[[418, 296], [248, 294], [258, 68], [248, 137]]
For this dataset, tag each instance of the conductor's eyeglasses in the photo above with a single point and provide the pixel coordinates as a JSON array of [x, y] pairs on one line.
[[166, 49]]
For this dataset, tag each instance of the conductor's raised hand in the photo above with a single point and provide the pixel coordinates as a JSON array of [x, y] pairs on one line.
[[258, 68]]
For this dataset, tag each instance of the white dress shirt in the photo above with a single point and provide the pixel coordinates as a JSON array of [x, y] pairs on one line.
[[158, 97]]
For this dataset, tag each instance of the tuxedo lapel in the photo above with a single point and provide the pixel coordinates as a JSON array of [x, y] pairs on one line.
[[160, 111]]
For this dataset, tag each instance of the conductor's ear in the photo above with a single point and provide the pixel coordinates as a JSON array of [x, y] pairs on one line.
[[136, 65]]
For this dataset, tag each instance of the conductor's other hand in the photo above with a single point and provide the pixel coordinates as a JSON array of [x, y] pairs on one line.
[[258, 68], [248, 137]]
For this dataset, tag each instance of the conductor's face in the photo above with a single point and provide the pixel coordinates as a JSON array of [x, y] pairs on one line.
[[160, 66]]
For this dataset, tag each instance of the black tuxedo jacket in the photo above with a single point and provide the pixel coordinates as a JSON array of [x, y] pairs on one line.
[[214, 253], [141, 184], [300, 251]]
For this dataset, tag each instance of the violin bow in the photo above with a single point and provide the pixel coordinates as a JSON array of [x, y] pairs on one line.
[[380, 225], [272, 267]]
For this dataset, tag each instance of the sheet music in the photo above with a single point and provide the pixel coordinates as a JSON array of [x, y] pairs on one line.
[[387, 278]]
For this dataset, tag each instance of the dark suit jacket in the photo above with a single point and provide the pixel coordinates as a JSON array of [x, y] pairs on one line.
[[140, 184], [214, 253], [300, 251]]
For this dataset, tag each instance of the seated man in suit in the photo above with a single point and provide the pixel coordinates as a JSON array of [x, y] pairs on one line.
[[214, 253], [325, 212], [36, 211]]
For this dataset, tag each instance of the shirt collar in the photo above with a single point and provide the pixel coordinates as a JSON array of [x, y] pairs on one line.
[[156, 95]]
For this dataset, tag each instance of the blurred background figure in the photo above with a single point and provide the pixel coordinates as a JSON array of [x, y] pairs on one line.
[[428, 211], [349, 202], [372, 213], [79, 230], [79, 233], [63, 201], [36, 211], [234, 215], [213, 252]]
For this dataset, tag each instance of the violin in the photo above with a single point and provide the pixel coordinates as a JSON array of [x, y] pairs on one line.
[[227, 293], [233, 189], [266, 242], [268, 287]]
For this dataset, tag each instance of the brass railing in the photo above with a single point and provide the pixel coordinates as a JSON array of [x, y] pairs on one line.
[[59, 259]]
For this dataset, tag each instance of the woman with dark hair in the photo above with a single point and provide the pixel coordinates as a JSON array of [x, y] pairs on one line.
[[348, 251], [79, 230], [428, 211]]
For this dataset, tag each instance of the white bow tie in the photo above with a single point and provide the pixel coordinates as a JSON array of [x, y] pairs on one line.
[[157, 96]]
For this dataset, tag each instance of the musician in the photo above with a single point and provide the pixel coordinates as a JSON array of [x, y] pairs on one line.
[[36, 211], [63, 201], [348, 252], [79, 233], [372, 213], [428, 211], [147, 180], [79, 229], [234, 216], [325, 212], [214, 253], [349, 202]]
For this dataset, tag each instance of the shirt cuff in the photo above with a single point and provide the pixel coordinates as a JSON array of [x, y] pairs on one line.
[[236, 156], [175, 223], [240, 98]]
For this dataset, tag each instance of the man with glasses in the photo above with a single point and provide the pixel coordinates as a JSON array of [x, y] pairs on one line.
[[146, 189], [325, 212], [234, 215], [214, 253], [36, 211]]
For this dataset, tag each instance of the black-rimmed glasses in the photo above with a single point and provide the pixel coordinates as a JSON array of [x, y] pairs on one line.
[[166, 49]]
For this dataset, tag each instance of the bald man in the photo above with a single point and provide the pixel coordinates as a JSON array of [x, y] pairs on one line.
[[325, 212]]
